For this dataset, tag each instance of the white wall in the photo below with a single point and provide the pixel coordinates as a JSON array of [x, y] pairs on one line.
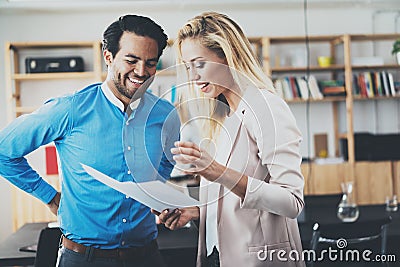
[[257, 20]]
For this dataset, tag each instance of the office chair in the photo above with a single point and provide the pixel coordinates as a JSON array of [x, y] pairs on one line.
[[348, 236], [47, 248]]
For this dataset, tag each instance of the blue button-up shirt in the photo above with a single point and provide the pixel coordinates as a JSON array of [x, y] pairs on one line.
[[90, 127]]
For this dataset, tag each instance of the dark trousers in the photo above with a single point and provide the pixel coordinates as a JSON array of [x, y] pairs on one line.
[[69, 258], [213, 259]]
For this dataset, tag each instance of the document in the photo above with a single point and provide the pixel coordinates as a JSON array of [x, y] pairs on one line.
[[154, 194]]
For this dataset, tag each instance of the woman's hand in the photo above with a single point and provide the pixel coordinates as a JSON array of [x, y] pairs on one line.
[[202, 163], [177, 218]]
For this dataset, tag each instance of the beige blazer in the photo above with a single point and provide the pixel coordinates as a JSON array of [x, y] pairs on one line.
[[265, 146]]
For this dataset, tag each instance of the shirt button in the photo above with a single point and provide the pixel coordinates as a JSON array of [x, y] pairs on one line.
[[129, 172], [129, 148], [126, 196], [127, 123], [123, 243], [124, 220]]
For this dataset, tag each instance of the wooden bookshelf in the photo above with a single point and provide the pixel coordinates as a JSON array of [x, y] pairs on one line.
[[338, 44]]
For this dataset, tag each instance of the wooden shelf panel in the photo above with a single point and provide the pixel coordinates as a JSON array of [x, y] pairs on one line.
[[54, 75], [374, 37], [312, 68], [341, 99], [302, 39], [362, 98], [49, 45], [376, 67], [325, 99]]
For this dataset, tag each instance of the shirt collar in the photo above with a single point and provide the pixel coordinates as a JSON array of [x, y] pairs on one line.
[[114, 100], [135, 104], [111, 97]]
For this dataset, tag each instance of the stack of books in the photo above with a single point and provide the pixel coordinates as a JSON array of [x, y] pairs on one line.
[[332, 88]]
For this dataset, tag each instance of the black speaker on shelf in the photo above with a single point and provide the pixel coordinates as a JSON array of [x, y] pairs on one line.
[[373, 147], [53, 64]]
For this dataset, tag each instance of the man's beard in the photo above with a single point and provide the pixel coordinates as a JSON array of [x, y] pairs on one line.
[[122, 89]]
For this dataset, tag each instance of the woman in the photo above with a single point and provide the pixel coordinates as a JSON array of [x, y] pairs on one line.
[[249, 160]]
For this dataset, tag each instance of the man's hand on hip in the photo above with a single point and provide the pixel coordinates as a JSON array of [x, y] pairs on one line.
[[54, 203]]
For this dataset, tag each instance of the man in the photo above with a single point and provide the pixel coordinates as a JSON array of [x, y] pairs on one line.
[[116, 127]]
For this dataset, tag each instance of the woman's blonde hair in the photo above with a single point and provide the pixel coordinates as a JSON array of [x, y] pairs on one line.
[[223, 36]]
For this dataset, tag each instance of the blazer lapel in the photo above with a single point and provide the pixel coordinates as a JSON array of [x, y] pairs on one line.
[[232, 128]]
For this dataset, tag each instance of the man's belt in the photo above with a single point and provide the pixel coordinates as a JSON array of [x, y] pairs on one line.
[[117, 253]]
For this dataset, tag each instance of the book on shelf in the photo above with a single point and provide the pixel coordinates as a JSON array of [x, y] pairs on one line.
[[368, 84], [362, 86], [384, 81], [334, 91], [355, 86], [391, 84], [378, 84], [294, 87], [314, 88], [303, 87]]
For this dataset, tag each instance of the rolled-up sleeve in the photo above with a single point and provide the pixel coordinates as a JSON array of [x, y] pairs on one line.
[[24, 135]]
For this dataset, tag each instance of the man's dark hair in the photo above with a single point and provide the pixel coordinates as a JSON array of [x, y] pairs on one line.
[[138, 25]]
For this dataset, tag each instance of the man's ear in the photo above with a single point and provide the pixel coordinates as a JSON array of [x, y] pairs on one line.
[[108, 57]]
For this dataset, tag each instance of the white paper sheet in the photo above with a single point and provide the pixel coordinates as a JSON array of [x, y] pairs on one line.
[[154, 194]]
